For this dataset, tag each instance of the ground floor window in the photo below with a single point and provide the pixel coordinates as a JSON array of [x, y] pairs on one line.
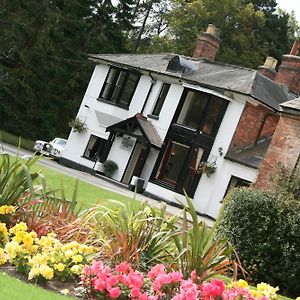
[[179, 166], [236, 182], [95, 147]]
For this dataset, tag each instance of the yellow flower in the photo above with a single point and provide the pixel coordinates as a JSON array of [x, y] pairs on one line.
[[267, 290], [77, 258], [3, 229], [76, 269], [2, 257], [18, 227], [69, 253], [298, 298], [34, 272], [240, 283], [46, 272], [65, 291], [59, 267], [7, 209]]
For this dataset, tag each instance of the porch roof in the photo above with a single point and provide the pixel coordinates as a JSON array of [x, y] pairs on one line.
[[138, 123]]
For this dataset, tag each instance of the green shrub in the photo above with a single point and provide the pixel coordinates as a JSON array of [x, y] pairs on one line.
[[16, 141], [110, 167], [265, 230]]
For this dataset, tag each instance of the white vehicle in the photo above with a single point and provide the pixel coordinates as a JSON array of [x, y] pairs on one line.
[[53, 149]]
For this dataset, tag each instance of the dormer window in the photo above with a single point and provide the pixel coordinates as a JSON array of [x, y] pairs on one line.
[[119, 86]]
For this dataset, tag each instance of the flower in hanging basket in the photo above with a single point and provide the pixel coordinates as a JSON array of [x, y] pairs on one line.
[[78, 125], [207, 168]]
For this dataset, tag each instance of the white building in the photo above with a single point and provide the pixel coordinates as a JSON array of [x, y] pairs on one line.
[[164, 118]]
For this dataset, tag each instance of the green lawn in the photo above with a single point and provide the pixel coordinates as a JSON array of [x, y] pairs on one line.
[[88, 194], [14, 289]]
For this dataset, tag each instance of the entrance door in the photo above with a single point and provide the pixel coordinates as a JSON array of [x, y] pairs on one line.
[[179, 167], [136, 162]]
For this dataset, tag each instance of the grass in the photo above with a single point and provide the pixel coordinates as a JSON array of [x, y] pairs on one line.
[[88, 194], [14, 289], [14, 140]]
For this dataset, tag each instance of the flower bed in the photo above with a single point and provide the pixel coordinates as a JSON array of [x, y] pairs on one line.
[[100, 282]]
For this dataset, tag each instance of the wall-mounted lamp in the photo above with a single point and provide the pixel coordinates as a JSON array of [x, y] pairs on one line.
[[220, 149]]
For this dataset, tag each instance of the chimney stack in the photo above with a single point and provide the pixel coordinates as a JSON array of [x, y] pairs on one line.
[[269, 68], [208, 43], [289, 71]]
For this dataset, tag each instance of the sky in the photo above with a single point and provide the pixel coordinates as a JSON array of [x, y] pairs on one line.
[[289, 5]]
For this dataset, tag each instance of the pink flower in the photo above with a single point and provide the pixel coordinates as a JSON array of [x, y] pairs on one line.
[[175, 276], [99, 284], [96, 266], [123, 267], [136, 279], [111, 281], [158, 269], [114, 292], [238, 293], [212, 289], [135, 292], [143, 297]]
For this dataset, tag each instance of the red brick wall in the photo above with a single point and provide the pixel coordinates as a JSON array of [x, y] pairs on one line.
[[284, 149], [207, 46], [289, 73], [256, 122]]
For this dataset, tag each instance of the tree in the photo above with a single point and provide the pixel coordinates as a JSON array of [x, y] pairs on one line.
[[250, 30], [43, 65]]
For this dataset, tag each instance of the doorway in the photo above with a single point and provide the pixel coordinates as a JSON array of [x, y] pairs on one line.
[[136, 162]]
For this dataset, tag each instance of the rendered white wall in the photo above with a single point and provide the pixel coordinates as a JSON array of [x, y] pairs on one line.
[[120, 155]]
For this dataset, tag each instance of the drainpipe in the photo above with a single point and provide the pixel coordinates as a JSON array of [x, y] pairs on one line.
[[153, 81]]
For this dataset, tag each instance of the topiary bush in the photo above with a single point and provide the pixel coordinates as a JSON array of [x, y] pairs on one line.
[[265, 230]]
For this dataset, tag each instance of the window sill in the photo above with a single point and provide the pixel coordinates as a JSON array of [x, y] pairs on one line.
[[113, 103], [154, 117]]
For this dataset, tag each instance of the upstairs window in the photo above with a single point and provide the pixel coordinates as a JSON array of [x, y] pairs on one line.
[[161, 99], [119, 86], [200, 111]]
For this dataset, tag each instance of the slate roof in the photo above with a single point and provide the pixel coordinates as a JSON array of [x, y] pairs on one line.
[[208, 74], [292, 106], [146, 127], [250, 156]]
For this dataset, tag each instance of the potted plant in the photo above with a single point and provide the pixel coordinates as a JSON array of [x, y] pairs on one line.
[[208, 168], [109, 168], [78, 125]]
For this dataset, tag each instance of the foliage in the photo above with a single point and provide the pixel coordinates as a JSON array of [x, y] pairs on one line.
[[244, 25], [264, 228], [15, 178], [286, 184], [207, 168], [197, 250], [110, 167], [133, 232], [14, 140], [100, 281], [43, 64], [78, 125]]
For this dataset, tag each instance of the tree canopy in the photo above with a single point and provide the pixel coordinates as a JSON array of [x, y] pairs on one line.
[[44, 44]]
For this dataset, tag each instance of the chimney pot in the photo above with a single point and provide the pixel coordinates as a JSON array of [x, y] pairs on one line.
[[208, 43], [268, 69], [296, 48], [213, 30], [271, 62]]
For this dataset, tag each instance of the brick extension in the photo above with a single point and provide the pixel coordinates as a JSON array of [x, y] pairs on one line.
[[284, 149]]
